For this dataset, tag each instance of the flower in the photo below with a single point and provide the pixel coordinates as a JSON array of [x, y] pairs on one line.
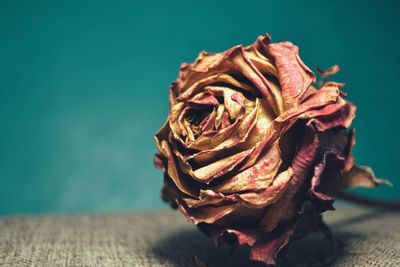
[[253, 148]]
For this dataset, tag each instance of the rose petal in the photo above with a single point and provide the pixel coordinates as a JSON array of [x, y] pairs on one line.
[[253, 131], [206, 214], [203, 100], [362, 176], [302, 165], [242, 63], [294, 76], [220, 167], [269, 195], [329, 72], [266, 249], [259, 176], [327, 180]]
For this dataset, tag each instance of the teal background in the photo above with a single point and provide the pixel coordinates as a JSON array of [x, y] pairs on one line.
[[83, 87]]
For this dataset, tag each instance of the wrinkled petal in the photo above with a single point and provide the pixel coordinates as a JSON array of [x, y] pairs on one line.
[[266, 249], [294, 76], [270, 194], [302, 164], [169, 164], [257, 177], [327, 180], [220, 167], [207, 214]]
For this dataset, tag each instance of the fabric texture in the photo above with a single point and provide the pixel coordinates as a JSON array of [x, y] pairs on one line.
[[367, 237]]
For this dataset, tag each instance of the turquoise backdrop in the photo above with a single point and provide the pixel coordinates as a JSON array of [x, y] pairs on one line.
[[83, 87]]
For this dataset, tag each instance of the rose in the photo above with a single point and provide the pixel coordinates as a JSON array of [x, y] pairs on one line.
[[252, 148]]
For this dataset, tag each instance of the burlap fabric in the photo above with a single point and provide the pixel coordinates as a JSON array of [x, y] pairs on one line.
[[367, 237]]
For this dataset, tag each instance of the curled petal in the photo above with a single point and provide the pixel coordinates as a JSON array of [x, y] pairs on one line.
[[255, 178], [329, 72], [362, 176], [294, 76], [165, 159], [203, 100], [159, 162], [183, 184], [302, 165], [207, 173], [238, 57], [266, 249], [237, 141], [222, 78], [327, 180]]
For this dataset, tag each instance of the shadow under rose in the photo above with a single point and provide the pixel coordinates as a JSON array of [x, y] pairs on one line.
[[189, 247], [192, 248]]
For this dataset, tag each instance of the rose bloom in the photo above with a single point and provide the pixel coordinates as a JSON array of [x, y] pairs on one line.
[[253, 148]]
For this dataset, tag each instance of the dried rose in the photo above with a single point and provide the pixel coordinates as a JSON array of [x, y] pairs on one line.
[[253, 149]]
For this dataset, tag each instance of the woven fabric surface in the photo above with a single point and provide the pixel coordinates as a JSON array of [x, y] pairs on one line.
[[367, 237]]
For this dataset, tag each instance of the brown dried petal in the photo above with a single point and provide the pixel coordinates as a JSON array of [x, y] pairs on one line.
[[362, 176]]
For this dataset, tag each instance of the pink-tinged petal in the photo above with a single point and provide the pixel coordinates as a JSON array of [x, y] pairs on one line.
[[251, 131], [242, 235], [230, 134], [159, 162], [190, 74], [327, 95], [204, 100], [222, 78], [238, 98], [294, 76], [242, 63], [327, 180], [215, 147], [301, 165], [340, 114], [334, 114], [285, 121], [269, 195], [208, 122], [234, 60], [329, 72], [362, 176], [257, 177], [266, 249], [256, 53], [220, 167], [232, 107]]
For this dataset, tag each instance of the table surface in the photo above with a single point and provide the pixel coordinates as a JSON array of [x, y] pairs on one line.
[[367, 237]]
